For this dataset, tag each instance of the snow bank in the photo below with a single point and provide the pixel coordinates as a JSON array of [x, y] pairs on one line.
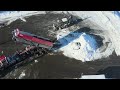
[[80, 46], [102, 76], [10, 16], [107, 21]]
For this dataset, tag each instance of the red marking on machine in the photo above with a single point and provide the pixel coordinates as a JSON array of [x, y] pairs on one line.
[[2, 58]]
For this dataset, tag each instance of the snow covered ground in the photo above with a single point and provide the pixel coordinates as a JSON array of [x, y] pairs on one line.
[[82, 46], [109, 22], [10, 16]]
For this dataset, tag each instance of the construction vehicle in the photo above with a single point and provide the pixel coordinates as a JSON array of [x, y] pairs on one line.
[[36, 47], [31, 39]]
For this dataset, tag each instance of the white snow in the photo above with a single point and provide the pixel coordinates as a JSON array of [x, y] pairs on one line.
[[21, 75], [64, 19], [36, 61], [76, 46], [10, 16], [23, 19], [102, 76], [109, 23]]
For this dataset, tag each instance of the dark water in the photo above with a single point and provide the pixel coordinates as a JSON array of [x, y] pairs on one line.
[[52, 66]]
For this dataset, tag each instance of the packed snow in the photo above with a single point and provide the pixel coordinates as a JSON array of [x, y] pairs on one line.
[[78, 46]]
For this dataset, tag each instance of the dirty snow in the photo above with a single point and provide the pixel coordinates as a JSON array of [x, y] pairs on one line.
[[8, 17]]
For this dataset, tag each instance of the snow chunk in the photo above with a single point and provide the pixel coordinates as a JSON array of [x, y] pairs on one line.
[[23, 19], [21, 75], [36, 61], [64, 20], [108, 21]]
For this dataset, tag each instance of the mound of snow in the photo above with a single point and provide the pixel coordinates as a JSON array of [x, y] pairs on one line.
[[109, 22], [80, 46]]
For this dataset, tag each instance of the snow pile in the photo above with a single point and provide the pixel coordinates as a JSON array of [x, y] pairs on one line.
[[36, 61], [109, 23], [80, 46], [102, 76]]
